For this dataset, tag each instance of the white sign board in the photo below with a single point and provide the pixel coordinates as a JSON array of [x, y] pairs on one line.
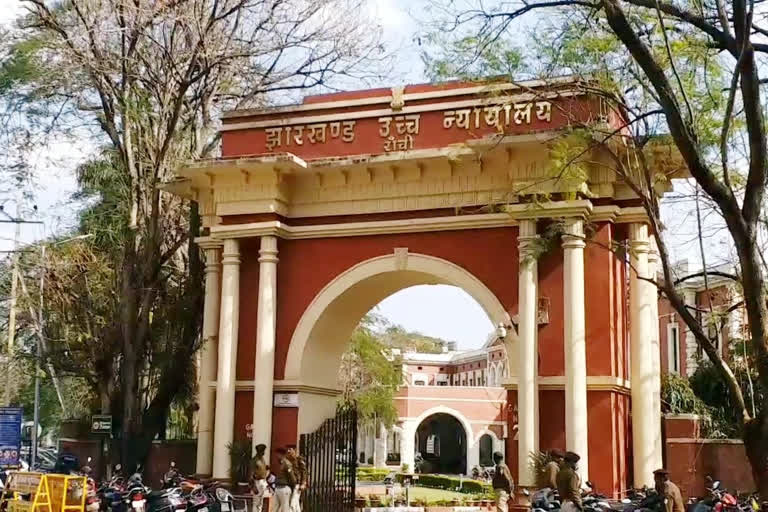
[[286, 400]]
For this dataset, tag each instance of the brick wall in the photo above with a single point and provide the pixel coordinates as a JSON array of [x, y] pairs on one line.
[[690, 459]]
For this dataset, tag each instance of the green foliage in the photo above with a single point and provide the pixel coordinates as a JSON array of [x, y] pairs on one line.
[[241, 460], [713, 392], [461, 59], [367, 474], [538, 462], [677, 396], [371, 374], [370, 378], [450, 483]]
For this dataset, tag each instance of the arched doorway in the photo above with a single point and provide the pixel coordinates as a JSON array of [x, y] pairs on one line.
[[442, 443], [323, 331]]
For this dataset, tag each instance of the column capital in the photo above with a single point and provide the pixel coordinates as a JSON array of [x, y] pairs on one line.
[[212, 261], [207, 242], [268, 249], [638, 237], [653, 252], [231, 252], [573, 234], [528, 233]]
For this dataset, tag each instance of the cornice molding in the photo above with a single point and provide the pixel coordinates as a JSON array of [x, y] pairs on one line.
[[594, 383], [430, 224], [580, 208]]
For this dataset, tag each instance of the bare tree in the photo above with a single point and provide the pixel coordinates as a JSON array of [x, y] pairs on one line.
[[684, 72], [151, 78]]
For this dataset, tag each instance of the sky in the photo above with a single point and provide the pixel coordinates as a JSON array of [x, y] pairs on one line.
[[436, 310]]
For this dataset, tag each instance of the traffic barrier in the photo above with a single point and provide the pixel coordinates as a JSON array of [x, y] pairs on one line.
[[40, 492]]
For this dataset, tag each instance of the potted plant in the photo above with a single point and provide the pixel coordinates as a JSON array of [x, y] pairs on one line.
[[240, 460], [360, 501]]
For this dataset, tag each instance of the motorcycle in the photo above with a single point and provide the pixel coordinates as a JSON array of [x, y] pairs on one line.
[[718, 500]]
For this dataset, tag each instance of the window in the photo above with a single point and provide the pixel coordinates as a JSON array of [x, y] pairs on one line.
[[442, 383], [486, 450], [419, 383], [673, 347]]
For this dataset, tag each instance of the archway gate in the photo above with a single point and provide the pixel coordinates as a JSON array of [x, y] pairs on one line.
[[316, 212]]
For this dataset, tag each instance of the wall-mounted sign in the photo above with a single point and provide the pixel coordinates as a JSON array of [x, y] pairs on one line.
[[101, 424], [286, 400], [10, 437]]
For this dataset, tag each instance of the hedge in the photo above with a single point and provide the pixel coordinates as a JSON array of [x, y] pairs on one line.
[[449, 483], [372, 474]]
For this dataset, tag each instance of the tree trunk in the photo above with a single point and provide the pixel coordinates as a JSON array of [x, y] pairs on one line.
[[756, 446]]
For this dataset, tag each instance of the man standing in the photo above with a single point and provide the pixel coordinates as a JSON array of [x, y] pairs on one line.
[[553, 468], [502, 482], [285, 482], [259, 478], [300, 470], [673, 498], [569, 484]]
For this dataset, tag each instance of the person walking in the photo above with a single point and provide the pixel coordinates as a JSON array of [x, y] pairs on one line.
[[259, 478], [285, 482], [502, 483], [553, 468], [300, 469], [673, 498], [569, 483]]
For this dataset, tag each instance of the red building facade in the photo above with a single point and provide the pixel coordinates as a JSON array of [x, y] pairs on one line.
[[316, 212]]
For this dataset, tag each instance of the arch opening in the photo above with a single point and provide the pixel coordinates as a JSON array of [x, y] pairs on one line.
[[323, 331], [441, 443]]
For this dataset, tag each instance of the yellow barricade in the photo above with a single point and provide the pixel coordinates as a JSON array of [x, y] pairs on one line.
[[38, 492]]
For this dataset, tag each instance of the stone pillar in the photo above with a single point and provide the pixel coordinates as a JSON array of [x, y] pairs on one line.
[[264, 363], [641, 358], [576, 438], [380, 448], [225, 380], [408, 445], [527, 356], [206, 393], [653, 300]]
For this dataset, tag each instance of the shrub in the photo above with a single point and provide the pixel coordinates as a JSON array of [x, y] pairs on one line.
[[538, 463], [448, 483], [371, 474]]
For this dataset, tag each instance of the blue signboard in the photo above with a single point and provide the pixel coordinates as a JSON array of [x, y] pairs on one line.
[[10, 437]]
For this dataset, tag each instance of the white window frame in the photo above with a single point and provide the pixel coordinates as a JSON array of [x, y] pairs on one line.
[[673, 348]]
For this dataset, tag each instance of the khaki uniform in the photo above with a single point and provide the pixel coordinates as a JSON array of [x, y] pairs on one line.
[[569, 487], [503, 485], [673, 498], [550, 471], [259, 484], [300, 468], [284, 485]]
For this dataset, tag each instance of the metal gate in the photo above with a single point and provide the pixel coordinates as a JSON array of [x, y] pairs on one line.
[[330, 452]]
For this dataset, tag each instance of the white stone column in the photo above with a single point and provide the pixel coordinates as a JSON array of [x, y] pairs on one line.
[[408, 445], [641, 359], [576, 431], [527, 356], [229, 319], [380, 448], [264, 362], [206, 393], [653, 300]]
